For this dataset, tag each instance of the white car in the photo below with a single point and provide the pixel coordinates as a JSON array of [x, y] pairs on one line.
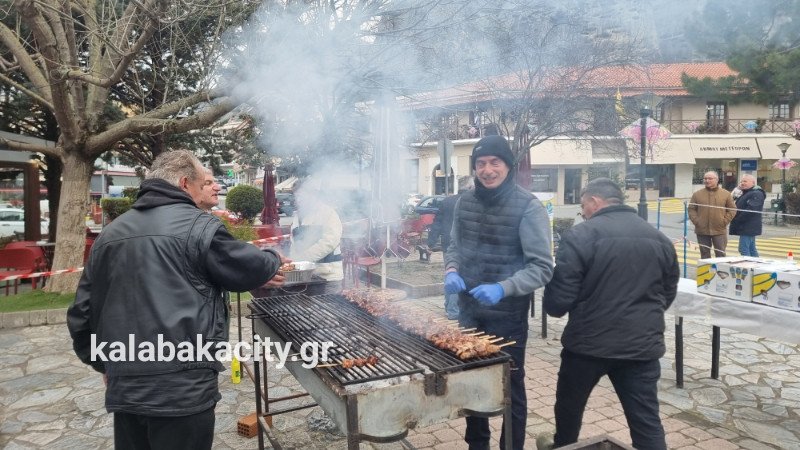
[[12, 220]]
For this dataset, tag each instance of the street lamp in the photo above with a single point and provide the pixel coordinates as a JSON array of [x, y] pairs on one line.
[[644, 113]]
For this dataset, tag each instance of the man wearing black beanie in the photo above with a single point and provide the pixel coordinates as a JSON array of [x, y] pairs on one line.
[[499, 254]]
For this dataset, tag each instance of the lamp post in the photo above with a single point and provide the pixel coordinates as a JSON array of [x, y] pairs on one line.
[[644, 113], [783, 146]]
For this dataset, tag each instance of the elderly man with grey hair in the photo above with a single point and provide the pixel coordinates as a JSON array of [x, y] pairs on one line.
[[155, 283], [616, 314], [711, 209], [749, 199]]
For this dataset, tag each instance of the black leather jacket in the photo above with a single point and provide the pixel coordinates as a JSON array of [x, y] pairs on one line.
[[161, 269]]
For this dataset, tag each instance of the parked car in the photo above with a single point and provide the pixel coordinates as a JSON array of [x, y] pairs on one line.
[[12, 220], [223, 187], [285, 202], [429, 204]]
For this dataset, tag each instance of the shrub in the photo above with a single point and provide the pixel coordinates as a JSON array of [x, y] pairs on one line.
[[115, 207], [792, 203], [561, 224], [243, 231], [246, 201], [131, 193]]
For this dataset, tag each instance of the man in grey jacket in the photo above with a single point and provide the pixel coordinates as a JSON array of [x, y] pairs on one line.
[[616, 276], [499, 254], [155, 280]]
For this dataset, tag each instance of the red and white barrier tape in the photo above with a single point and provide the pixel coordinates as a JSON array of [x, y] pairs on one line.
[[40, 274], [270, 239], [80, 269]]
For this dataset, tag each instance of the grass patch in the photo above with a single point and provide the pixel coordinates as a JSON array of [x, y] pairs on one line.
[[35, 299]]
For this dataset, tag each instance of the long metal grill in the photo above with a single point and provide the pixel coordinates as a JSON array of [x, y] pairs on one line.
[[355, 333]]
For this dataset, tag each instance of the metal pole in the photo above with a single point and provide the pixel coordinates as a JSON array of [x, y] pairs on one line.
[[642, 164], [783, 182]]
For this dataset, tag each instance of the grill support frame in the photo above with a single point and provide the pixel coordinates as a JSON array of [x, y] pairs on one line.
[[343, 403]]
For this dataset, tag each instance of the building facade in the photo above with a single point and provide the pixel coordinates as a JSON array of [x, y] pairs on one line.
[[704, 135]]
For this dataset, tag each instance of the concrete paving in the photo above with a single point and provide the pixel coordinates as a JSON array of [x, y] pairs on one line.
[[49, 399]]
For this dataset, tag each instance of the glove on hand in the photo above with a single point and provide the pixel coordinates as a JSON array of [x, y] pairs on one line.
[[453, 283], [488, 294]]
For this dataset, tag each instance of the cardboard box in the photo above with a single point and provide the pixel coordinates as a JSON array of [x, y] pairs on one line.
[[777, 285], [730, 277]]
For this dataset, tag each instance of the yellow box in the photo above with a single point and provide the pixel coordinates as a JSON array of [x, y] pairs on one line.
[[777, 286], [730, 277]]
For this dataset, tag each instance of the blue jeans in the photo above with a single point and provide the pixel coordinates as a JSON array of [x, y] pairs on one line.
[[451, 306], [747, 246], [636, 384]]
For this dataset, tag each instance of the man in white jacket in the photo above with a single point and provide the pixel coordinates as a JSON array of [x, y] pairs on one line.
[[316, 237]]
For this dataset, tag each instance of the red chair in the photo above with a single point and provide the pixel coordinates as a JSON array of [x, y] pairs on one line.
[[20, 261]]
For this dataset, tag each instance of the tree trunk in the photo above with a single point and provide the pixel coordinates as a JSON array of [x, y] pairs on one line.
[[71, 221]]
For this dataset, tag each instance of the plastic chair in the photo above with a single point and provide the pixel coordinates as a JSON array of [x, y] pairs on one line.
[[20, 261]]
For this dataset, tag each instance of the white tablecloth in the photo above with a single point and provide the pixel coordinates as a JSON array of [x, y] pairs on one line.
[[753, 318]]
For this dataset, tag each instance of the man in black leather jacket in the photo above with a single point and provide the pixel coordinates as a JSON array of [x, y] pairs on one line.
[[155, 275], [615, 275]]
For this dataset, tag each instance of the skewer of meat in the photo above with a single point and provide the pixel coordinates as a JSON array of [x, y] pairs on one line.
[[349, 363]]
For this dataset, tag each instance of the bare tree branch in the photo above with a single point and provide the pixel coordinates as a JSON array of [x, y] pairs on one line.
[[154, 123], [26, 62], [33, 95], [23, 147]]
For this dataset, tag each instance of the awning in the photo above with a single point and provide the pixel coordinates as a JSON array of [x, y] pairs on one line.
[[286, 184], [675, 150], [562, 152], [725, 147], [768, 145]]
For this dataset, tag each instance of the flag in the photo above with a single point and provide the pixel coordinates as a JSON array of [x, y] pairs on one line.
[[618, 106]]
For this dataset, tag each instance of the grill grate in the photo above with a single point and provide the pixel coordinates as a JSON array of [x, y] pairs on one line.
[[355, 333]]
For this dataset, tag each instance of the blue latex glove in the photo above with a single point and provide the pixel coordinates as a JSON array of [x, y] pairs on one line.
[[488, 294], [453, 283]]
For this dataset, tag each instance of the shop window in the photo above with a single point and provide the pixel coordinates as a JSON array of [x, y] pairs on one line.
[[544, 180]]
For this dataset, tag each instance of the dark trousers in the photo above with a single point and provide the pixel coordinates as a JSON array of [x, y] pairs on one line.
[[636, 384], [719, 242], [135, 432], [513, 326]]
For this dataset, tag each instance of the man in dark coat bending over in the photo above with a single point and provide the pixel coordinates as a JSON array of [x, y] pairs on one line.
[[155, 278]]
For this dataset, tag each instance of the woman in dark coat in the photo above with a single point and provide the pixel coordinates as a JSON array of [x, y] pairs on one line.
[[747, 222]]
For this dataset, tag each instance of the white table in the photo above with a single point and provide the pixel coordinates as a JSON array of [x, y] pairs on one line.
[[752, 318]]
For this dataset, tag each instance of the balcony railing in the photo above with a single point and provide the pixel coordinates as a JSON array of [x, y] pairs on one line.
[[787, 126]]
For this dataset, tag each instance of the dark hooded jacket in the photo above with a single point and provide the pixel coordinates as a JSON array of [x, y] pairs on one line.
[[160, 270], [748, 219], [615, 275]]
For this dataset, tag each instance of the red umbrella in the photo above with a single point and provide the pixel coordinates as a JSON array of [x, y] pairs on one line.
[[269, 215]]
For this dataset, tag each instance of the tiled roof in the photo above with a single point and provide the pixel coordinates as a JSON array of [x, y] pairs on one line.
[[660, 79]]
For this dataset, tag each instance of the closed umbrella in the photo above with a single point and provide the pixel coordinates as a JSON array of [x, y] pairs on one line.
[[269, 215]]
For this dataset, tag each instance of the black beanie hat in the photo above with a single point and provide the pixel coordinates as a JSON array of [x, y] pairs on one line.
[[493, 146]]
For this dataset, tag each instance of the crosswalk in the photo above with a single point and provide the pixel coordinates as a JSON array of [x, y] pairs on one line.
[[668, 205], [768, 247]]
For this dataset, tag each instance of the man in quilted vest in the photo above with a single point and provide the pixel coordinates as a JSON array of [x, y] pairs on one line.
[[499, 253]]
